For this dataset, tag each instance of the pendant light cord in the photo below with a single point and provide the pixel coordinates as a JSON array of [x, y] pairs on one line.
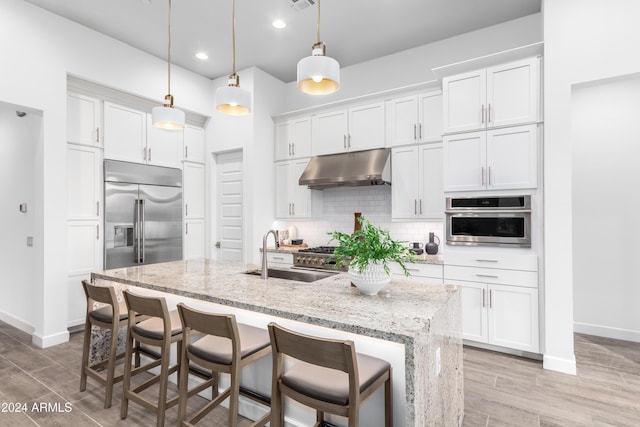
[[233, 35], [318, 21], [169, 54]]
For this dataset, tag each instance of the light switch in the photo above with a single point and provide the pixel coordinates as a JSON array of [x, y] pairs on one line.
[[23, 207], [29, 241]]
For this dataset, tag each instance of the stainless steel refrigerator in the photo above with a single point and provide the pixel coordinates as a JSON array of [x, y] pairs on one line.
[[143, 214]]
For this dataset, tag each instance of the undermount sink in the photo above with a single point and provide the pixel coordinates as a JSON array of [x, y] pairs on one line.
[[299, 275]]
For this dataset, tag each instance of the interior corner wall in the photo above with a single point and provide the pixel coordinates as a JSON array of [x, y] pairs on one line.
[[413, 66], [585, 40]]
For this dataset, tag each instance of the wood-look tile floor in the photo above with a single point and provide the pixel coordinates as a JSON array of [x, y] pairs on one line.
[[500, 390]]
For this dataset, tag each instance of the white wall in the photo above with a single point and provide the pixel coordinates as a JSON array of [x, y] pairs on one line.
[[585, 40], [414, 65], [605, 138], [19, 137], [41, 49]]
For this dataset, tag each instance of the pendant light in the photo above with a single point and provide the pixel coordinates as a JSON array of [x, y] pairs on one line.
[[167, 117], [231, 99], [318, 74]]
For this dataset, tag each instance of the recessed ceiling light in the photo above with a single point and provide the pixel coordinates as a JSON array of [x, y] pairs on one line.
[[202, 55], [279, 24]]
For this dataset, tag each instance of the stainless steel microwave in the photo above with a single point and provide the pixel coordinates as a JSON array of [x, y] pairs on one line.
[[493, 221]]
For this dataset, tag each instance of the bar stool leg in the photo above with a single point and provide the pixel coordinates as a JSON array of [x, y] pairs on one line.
[[111, 365], [234, 395], [126, 380], [388, 402], [165, 354], [183, 384], [85, 355]]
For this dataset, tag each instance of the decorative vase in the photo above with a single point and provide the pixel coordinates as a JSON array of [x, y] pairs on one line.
[[373, 278]]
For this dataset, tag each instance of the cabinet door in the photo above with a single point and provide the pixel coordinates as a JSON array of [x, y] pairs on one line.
[[301, 137], [464, 102], [164, 146], [84, 182], [282, 141], [84, 247], [430, 116], [512, 158], [474, 310], [404, 182], [513, 317], [193, 190], [464, 161], [194, 239], [194, 144], [83, 120], [329, 132], [513, 93], [431, 201], [125, 133], [366, 127], [283, 192], [301, 195], [402, 120]]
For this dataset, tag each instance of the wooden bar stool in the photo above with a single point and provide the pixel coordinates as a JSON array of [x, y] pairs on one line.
[[102, 317], [227, 347], [155, 326], [328, 375]]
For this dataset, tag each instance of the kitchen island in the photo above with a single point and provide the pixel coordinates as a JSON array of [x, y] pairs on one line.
[[416, 320]]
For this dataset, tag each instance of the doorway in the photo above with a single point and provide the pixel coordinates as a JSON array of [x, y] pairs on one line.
[[229, 206]]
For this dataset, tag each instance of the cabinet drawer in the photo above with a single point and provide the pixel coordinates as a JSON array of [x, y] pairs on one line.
[[488, 260], [491, 275], [279, 258], [419, 270]]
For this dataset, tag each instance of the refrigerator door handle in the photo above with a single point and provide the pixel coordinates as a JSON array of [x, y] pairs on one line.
[[142, 230], [136, 230]]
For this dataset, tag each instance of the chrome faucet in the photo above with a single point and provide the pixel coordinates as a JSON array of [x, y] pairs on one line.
[[265, 269]]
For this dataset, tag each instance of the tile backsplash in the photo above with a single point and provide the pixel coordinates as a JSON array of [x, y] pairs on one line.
[[374, 203]]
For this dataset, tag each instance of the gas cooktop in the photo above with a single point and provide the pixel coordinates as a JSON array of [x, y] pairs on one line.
[[320, 257]]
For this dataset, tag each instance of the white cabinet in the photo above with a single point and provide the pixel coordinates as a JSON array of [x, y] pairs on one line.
[[129, 136], [83, 120], [503, 95], [292, 200], [353, 129], [84, 182], [499, 305], [194, 144], [431, 273], [193, 190], [293, 138], [194, 239], [279, 259], [416, 190], [414, 119], [497, 159]]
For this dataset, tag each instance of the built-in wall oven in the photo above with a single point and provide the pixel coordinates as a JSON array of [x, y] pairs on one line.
[[494, 221]]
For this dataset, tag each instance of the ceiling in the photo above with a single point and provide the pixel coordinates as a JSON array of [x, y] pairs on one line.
[[354, 30]]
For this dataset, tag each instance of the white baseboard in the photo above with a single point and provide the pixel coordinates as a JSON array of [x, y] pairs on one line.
[[50, 340], [607, 332], [559, 364], [16, 322]]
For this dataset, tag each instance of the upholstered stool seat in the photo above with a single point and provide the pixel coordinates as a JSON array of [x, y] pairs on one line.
[[227, 347], [327, 375]]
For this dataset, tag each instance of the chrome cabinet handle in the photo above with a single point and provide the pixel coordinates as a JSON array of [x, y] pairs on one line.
[[489, 113], [482, 174], [293, 149], [484, 299], [186, 209], [420, 131], [414, 131], [344, 141], [487, 275], [349, 141], [97, 231], [98, 208], [420, 206], [293, 208], [415, 207], [489, 175], [486, 260], [482, 120], [186, 226], [490, 298], [98, 135], [186, 151], [144, 155], [149, 154]]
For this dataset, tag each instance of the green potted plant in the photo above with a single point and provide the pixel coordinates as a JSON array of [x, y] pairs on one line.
[[368, 252]]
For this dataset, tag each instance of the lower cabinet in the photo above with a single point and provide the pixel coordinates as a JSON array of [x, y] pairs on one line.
[[280, 260], [499, 305], [431, 273], [193, 245]]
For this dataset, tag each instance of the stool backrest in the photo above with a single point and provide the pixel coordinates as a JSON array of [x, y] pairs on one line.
[[141, 308], [220, 325], [101, 294], [328, 353]]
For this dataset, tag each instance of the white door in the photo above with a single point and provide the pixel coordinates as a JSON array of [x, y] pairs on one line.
[[464, 102], [513, 317], [431, 203], [83, 120], [512, 158], [84, 182], [125, 133], [329, 133], [402, 121], [193, 190], [283, 189], [512, 93], [164, 146], [301, 137], [404, 182], [430, 114], [474, 310], [366, 127], [229, 206], [301, 193], [283, 141], [194, 239], [194, 144], [464, 161]]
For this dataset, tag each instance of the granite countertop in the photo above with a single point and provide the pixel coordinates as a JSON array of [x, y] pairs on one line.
[[397, 315]]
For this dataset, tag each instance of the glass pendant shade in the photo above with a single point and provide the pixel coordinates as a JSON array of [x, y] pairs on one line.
[[233, 100], [167, 118], [318, 75]]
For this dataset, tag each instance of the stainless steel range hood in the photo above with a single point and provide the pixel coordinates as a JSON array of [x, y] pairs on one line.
[[358, 168]]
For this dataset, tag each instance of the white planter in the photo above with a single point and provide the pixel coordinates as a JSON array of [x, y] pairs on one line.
[[372, 280]]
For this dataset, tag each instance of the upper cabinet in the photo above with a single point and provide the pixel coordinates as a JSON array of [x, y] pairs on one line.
[[293, 138], [502, 95], [292, 199], [414, 119], [83, 120], [129, 136], [194, 144], [353, 129]]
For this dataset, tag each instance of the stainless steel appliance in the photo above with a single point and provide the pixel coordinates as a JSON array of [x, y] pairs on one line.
[[320, 257], [495, 221], [143, 214]]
